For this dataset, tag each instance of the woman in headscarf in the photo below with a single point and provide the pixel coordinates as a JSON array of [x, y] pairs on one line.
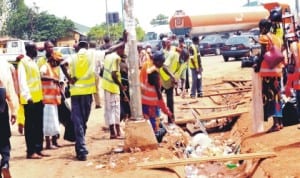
[[271, 77]]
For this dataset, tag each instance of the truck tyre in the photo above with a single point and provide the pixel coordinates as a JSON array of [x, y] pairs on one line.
[[225, 58]]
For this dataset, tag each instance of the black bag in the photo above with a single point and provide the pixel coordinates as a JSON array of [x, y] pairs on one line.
[[290, 113], [67, 91], [64, 115], [2, 99], [247, 61]]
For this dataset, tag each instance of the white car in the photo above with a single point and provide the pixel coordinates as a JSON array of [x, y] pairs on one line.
[[65, 51]]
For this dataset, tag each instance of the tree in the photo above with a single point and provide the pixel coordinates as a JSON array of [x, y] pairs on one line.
[[160, 20], [50, 27], [140, 33], [28, 23], [115, 31]]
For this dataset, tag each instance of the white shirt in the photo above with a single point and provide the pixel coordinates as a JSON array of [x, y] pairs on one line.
[[7, 82], [98, 58], [24, 89]]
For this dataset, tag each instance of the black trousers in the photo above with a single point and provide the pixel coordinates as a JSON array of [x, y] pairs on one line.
[[34, 127], [5, 134], [170, 101]]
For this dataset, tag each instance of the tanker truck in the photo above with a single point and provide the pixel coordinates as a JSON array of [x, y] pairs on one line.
[[229, 20]]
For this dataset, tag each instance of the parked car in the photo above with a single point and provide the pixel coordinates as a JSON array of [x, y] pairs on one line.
[[153, 43], [240, 46], [211, 44], [66, 51]]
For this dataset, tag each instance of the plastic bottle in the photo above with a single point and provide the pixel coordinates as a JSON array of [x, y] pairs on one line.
[[231, 165]]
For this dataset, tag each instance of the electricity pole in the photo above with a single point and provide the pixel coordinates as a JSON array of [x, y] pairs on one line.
[[133, 73], [138, 131]]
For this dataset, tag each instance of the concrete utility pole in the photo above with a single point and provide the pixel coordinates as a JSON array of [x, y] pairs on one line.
[[133, 73], [138, 131]]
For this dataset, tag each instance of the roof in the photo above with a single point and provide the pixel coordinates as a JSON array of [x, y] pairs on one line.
[[81, 29]]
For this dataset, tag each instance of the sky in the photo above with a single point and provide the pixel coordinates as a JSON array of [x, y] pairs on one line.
[[92, 12]]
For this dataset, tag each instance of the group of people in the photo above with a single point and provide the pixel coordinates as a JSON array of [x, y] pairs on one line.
[[165, 68], [281, 81], [32, 91]]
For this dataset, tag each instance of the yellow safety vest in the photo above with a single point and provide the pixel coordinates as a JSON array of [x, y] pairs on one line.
[[83, 69], [173, 67], [108, 83], [41, 61], [194, 58], [33, 79]]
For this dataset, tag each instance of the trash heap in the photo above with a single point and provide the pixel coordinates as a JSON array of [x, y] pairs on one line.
[[201, 145]]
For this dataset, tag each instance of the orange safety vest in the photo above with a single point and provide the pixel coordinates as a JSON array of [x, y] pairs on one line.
[[51, 91], [148, 92], [295, 49], [265, 71]]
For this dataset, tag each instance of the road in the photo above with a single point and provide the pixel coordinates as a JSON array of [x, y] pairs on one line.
[[62, 162]]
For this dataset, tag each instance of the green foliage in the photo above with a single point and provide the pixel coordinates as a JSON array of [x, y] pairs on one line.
[[27, 23], [115, 32], [51, 27], [140, 33], [160, 20]]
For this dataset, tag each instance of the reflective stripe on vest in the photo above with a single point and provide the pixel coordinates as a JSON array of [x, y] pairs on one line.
[[265, 71], [33, 80], [108, 83], [148, 92], [83, 69], [194, 58], [51, 91]]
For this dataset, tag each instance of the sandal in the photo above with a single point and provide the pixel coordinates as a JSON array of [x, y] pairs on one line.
[[274, 128]]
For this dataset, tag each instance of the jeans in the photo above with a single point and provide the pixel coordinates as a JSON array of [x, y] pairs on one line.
[[5, 154], [81, 109], [196, 83], [298, 103]]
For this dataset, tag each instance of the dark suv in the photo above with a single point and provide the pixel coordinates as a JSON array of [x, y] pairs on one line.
[[211, 44]]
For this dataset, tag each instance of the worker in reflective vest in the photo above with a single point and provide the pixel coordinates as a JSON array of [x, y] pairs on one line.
[[293, 79], [152, 100], [82, 89], [167, 73], [31, 96], [50, 74], [196, 68], [111, 83]]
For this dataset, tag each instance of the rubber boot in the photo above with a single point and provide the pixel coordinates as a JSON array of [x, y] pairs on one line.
[[112, 131]]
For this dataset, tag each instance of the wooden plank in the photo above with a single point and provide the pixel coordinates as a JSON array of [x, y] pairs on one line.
[[224, 89], [226, 93], [213, 107], [180, 162], [214, 115], [236, 80]]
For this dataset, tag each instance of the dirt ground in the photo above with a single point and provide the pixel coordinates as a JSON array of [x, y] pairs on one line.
[[103, 162]]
